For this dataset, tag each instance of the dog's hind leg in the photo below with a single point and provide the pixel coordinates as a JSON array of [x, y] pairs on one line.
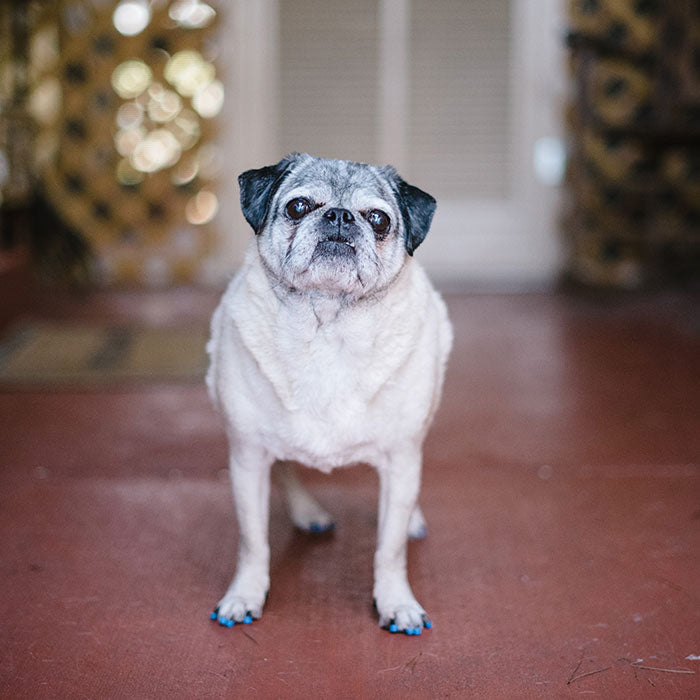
[[304, 510], [417, 527]]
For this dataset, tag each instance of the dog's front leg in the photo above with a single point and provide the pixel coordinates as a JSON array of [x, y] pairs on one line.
[[250, 477], [399, 482]]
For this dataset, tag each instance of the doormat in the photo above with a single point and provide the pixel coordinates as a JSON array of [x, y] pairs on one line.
[[56, 355]]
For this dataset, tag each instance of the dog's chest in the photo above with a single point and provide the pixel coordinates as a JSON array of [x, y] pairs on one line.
[[333, 373], [335, 393]]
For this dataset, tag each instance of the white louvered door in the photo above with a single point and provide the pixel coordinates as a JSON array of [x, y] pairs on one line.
[[328, 78], [455, 93], [459, 130]]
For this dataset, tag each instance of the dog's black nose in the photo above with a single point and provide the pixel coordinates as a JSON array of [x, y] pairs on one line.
[[339, 216]]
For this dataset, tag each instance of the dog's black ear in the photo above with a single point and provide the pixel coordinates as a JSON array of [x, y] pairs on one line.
[[417, 209], [258, 187]]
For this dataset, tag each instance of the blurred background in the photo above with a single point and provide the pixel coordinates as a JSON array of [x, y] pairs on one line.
[[560, 138]]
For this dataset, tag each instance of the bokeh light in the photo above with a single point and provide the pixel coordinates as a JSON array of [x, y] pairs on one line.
[[185, 127], [209, 99], [202, 208], [135, 90], [549, 160], [159, 149], [131, 78], [131, 17], [191, 14], [45, 101], [163, 104], [188, 72], [43, 49], [126, 140], [186, 171], [130, 115], [127, 174]]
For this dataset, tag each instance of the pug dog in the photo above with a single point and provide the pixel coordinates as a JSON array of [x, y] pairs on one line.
[[328, 349]]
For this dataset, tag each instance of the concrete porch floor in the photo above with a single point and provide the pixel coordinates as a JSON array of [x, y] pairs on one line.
[[561, 488]]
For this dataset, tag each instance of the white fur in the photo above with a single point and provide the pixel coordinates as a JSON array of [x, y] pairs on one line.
[[312, 378]]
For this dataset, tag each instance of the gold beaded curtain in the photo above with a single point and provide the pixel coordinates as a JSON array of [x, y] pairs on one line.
[[125, 96], [634, 176]]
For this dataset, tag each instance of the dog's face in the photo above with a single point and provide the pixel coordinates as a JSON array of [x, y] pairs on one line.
[[335, 226]]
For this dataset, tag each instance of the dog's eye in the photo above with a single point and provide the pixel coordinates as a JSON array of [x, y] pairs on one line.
[[298, 208], [378, 220]]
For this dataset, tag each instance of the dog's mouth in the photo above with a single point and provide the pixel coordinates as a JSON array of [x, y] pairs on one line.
[[335, 245]]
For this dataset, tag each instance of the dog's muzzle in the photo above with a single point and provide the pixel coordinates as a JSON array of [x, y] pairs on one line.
[[338, 234]]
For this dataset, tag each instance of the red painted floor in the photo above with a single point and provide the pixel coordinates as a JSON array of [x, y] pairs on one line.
[[561, 488]]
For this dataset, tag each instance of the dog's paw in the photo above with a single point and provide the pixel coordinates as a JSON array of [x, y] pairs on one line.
[[401, 613], [317, 527], [308, 516], [409, 619], [238, 606], [236, 610], [417, 527]]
